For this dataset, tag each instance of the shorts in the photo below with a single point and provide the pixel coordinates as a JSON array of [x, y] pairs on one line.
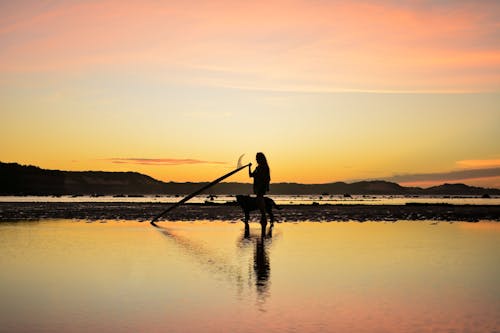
[[260, 190]]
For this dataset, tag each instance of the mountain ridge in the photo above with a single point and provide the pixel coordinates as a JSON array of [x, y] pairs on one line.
[[17, 179]]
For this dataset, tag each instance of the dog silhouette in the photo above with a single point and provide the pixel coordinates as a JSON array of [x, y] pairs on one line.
[[248, 204]]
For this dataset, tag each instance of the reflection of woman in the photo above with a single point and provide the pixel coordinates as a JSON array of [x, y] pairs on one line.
[[261, 262], [261, 179], [261, 265]]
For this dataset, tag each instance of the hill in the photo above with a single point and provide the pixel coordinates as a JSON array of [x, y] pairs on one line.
[[30, 180], [16, 179]]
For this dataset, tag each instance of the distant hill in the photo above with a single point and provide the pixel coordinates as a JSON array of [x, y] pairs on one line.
[[459, 189], [16, 179], [363, 187], [19, 179]]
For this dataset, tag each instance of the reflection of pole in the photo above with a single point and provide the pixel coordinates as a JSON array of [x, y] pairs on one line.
[[205, 256], [195, 194], [221, 266]]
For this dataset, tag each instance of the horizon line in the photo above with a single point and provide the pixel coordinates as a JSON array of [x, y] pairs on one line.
[[347, 181]]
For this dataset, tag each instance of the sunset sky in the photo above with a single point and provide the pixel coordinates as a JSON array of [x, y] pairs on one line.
[[407, 91]]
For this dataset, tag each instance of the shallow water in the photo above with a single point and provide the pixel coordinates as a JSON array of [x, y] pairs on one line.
[[209, 277], [280, 199]]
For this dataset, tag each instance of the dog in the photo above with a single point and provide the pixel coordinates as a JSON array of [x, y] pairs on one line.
[[248, 204]]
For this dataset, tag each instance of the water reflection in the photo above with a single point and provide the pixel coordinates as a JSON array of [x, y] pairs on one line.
[[60, 276], [217, 264], [261, 262], [258, 243]]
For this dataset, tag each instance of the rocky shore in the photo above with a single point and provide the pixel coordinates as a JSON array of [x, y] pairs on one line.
[[21, 211]]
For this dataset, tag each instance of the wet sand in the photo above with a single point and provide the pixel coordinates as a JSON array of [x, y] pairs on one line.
[[12, 211]]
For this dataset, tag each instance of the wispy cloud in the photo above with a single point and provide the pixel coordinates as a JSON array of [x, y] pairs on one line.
[[160, 161], [325, 46], [446, 176], [474, 164]]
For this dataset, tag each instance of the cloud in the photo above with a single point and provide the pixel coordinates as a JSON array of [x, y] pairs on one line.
[[479, 163], [447, 176], [160, 161], [273, 45]]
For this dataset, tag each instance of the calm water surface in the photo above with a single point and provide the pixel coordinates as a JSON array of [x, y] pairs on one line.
[[75, 276], [280, 199]]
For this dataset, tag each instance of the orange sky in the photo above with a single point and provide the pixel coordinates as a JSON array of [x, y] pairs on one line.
[[329, 90]]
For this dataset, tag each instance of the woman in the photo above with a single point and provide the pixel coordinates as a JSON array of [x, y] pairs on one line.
[[261, 178]]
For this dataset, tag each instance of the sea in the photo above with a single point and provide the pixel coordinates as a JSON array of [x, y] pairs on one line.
[[200, 276], [279, 199]]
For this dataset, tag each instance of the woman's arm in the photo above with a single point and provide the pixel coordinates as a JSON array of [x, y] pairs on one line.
[[250, 174]]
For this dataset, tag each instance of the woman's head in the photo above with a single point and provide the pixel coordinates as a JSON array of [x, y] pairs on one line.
[[261, 158]]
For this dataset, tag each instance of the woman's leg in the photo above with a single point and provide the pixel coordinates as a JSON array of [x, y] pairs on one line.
[[261, 203]]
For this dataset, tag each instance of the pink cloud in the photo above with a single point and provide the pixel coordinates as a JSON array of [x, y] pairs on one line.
[[160, 161], [488, 163], [276, 45], [488, 177]]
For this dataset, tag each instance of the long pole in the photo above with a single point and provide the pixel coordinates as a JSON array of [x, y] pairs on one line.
[[195, 193]]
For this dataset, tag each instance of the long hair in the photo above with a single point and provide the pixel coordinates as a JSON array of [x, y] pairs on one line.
[[262, 162], [261, 159]]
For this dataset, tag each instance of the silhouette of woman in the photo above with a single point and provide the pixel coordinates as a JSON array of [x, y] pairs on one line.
[[261, 262], [261, 178]]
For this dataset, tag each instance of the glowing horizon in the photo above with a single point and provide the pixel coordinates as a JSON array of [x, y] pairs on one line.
[[329, 91]]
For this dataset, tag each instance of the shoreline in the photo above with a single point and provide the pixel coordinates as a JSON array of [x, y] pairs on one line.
[[25, 211]]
